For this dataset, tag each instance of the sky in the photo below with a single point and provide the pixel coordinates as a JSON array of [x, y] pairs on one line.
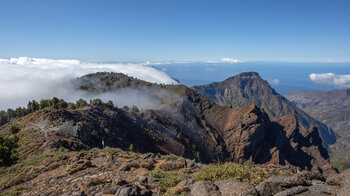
[[176, 30], [293, 44]]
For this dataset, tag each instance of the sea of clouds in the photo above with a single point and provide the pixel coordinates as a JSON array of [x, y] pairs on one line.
[[23, 79]]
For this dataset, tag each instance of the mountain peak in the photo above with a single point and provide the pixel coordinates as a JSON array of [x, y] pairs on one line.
[[250, 79], [249, 74], [249, 88], [246, 75]]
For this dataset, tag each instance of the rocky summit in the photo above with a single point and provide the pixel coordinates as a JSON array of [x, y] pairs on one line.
[[188, 145], [249, 88]]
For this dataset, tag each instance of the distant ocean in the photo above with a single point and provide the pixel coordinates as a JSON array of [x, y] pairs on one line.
[[290, 76]]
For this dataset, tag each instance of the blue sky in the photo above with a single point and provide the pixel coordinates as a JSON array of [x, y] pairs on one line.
[[161, 30]]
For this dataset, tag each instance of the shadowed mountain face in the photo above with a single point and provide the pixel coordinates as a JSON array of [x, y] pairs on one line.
[[249, 88], [187, 124]]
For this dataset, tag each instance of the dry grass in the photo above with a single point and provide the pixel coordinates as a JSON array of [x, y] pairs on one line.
[[229, 170]]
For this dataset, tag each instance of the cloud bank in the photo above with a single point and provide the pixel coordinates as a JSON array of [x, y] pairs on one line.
[[331, 79], [229, 60], [225, 60], [23, 79]]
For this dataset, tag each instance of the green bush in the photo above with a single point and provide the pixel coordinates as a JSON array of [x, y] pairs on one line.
[[8, 152], [131, 148], [13, 129]]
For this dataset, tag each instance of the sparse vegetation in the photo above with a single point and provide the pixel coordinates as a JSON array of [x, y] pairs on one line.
[[18, 190], [168, 179], [229, 170], [31, 167], [156, 135], [13, 129]]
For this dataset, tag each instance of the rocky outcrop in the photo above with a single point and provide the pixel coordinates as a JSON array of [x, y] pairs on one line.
[[235, 187], [249, 88], [276, 184]]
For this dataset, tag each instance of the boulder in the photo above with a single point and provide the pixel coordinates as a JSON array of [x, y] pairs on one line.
[[292, 191], [147, 181], [205, 188], [235, 188], [340, 179], [188, 182], [128, 190], [277, 184]]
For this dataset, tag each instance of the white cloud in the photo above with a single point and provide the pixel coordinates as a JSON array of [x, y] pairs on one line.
[[229, 60], [275, 82], [23, 79], [331, 79]]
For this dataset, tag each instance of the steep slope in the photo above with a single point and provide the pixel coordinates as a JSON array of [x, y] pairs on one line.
[[249, 88]]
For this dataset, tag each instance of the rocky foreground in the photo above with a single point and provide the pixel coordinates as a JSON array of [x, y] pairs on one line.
[[112, 171]]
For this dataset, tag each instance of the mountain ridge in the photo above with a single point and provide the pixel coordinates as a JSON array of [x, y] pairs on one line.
[[250, 88]]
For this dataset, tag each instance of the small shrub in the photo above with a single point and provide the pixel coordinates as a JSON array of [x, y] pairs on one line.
[[197, 155], [168, 179], [110, 102], [131, 148], [134, 109], [157, 174], [13, 129]]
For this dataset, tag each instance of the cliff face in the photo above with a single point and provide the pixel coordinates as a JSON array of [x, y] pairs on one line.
[[249, 88]]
